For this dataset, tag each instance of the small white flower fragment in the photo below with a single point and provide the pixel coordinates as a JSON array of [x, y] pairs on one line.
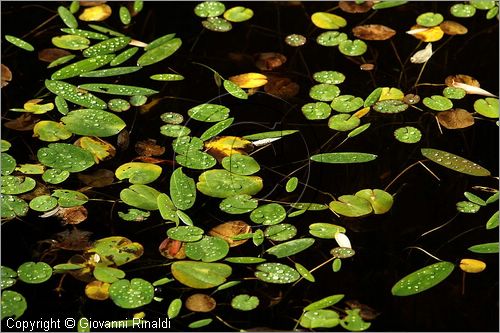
[[472, 90], [423, 55], [342, 240], [264, 142], [416, 31]]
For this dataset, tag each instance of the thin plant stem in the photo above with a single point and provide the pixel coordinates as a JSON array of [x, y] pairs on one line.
[[400, 174], [229, 325], [148, 267], [432, 173], [424, 251], [399, 59], [439, 227], [420, 74]]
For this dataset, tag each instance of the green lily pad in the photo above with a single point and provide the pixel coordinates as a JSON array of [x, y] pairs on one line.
[[493, 221], [280, 232], [291, 247], [13, 304], [467, 207], [138, 172], [216, 129], [209, 9], [244, 302], [174, 308], [234, 90], [108, 274], [135, 215], [67, 17], [487, 107], [117, 89], [291, 184], [438, 103], [71, 42], [269, 135], [124, 56], [81, 67], [462, 10], [172, 118], [269, 214], [324, 92], [200, 323], [33, 273], [74, 94], [454, 162], [166, 77], [276, 273], [240, 164], [329, 77], [185, 233], [131, 294], [238, 204], [422, 279], [17, 184], [4, 145], [325, 230], [336, 265], [138, 100], [483, 4], [31, 169], [454, 93], [47, 130], [198, 160], [200, 275], [343, 122], [182, 190], [223, 184], [93, 122], [174, 131], [331, 38], [381, 201], [324, 20], [55, 176], [475, 199], [84, 33], [19, 43], [69, 198], [43, 203], [8, 164], [209, 112], [140, 196], [346, 103], [353, 321], [238, 14], [117, 250], [324, 302], [186, 145], [118, 105], [408, 134], [111, 71], [217, 24], [484, 248], [343, 157], [12, 206], [125, 16], [295, 40], [160, 52], [353, 48], [7, 277], [351, 206], [390, 106], [207, 249], [429, 19], [358, 130], [316, 111], [319, 319]]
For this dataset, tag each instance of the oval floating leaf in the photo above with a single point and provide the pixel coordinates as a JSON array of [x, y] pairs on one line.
[[182, 190], [343, 122], [291, 247], [140, 196], [31, 272], [390, 106], [484, 248], [209, 9], [353, 48], [422, 279], [138, 172], [276, 273], [93, 122], [429, 19], [238, 204], [117, 89], [487, 107], [209, 112], [240, 164], [280, 232], [351, 206], [160, 52], [224, 184], [331, 38], [319, 319], [19, 43], [454, 162], [217, 24], [316, 111], [200, 275], [71, 42], [324, 92], [346, 103], [207, 249], [238, 14], [408, 134], [74, 94], [13, 304], [438, 103], [328, 21], [325, 230], [342, 158], [269, 214]]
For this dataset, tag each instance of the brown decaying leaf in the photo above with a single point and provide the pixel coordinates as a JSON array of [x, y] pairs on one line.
[[365, 311], [72, 215], [123, 139], [172, 249], [51, 54], [200, 303], [97, 178], [455, 119], [267, 61], [373, 32], [24, 122], [6, 76], [97, 290], [154, 160], [149, 147], [282, 87], [411, 99], [353, 8], [453, 28], [461, 78], [228, 230], [88, 262], [367, 67], [73, 240]]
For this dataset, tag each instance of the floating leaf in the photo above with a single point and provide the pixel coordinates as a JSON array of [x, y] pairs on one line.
[[174, 308], [100, 149], [67, 17], [329, 77], [358, 130], [324, 302], [319, 318], [240, 164], [209, 9], [224, 184], [196, 160], [324, 92], [106, 30], [472, 265], [174, 131], [55, 176], [373, 32], [17, 184], [172, 118], [428, 35], [331, 38], [474, 198], [422, 279], [34, 273], [381, 201], [140, 196], [453, 28], [453, 92], [209, 112], [325, 230], [291, 247], [131, 294], [185, 233], [343, 157], [73, 94], [138, 172], [207, 249], [454, 162], [117, 250], [61, 105], [245, 302], [408, 134], [238, 14], [234, 90], [200, 275], [343, 122], [108, 274], [43, 203], [467, 207], [484, 248], [291, 184], [65, 156], [492, 221], [493, 198], [70, 42], [69, 198], [200, 323], [280, 232], [97, 290], [160, 52], [438, 103], [455, 119], [388, 4], [135, 215], [12, 206], [167, 77], [95, 13], [429, 19], [216, 129], [111, 71], [217, 24], [118, 105], [258, 237], [352, 48], [124, 56], [269, 135], [351, 206], [276, 273], [84, 33], [117, 89], [269, 214], [487, 107], [200, 303], [93, 122], [346, 103], [295, 40], [19, 43], [7, 278], [231, 230], [493, 12], [125, 16], [353, 321], [182, 190], [238, 204], [328, 21], [13, 304], [391, 106], [462, 10]]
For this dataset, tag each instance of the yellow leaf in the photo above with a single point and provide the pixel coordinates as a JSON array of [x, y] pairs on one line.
[[97, 290], [223, 146], [96, 13], [33, 106], [99, 148], [472, 265], [362, 112], [328, 21], [249, 80], [426, 34], [391, 93]]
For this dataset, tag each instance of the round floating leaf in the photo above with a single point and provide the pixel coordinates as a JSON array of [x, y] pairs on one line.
[[217, 24], [186, 145], [209, 9], [166, 77], [276, 273], [344, 157], [200, 303], [291, 184], [330, 77], [200, 275], [13, 304], [182, 190], [117, 250], [390, 106], [408, 134], [328, 21], [4, 145], [124, 56], [185, 233], [324, 302], [467, 207], [71, 42], [93, 122], [138, 172], [472, 265], [216, 129], [12, 206], [324, 92], [493, 221], [117, 89], [343, 122], [174, 308], [238, 204], [17, 184], [462, 10], [280, 232], [31, 272], [245, 302], [269, 214], [390, 93], [224, 184], [69, 198], [74, 94], [131, 294], [196, 160], [353, 48], [487, 107], [174, 131], [50, 131], [231, 232], [81, 67], [238, 14], [429, 19], [346, 103], [455, 119], [325, 230], [108, 274], [19, 43], [207, 249], [43, 203], [319, 318], [484, 248], [55, 176], [438, 103], [200, 323], [351, 206], [118, 105], [295, 40], [381, 201], [140, 196], [172, 118], [291, 247], [316, 111], [7, 278], [454, 162], [135, 215], [8, 164], [234, 90], [331, 38], [453, 92], [209, 112], [483, 4], [422, 279], [160, 52], [240, 164]]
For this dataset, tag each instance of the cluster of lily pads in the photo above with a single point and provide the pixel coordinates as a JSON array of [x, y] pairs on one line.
[[215, 165]]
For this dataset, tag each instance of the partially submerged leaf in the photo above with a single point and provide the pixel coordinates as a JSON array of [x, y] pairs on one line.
[[74, 94], [200, 303]]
